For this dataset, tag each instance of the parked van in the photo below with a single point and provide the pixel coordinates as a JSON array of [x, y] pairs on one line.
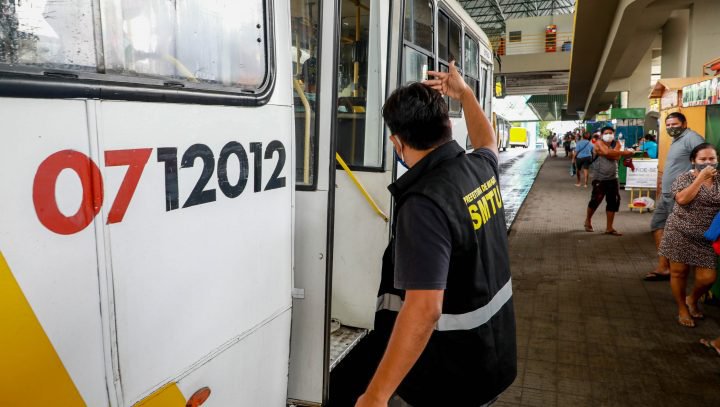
[[518, 137]]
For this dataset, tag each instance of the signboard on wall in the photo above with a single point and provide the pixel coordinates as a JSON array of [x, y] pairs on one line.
[[644, 176], [702, 93]]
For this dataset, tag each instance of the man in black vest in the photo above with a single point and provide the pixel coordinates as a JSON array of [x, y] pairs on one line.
[[445, 300]]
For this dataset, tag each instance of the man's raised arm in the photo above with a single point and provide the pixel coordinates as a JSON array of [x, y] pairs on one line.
[[479, 128]]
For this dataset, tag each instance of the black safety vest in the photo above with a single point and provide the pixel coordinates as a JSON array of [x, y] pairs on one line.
[[471, 356]]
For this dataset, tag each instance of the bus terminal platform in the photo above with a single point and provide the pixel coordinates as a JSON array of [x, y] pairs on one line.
[[590, 331]]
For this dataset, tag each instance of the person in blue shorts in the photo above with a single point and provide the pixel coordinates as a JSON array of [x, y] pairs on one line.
[[582, 158]]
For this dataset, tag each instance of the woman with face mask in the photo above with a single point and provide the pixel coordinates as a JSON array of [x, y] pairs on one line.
[[697, 194]]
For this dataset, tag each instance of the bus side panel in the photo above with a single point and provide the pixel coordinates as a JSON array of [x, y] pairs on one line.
[[241, 366], [195, 268], [57, 273]]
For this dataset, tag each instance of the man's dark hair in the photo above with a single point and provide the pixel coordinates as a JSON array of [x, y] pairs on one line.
[[650, 137], [607, 128], [699, 148], [418, 114], [677, 115]]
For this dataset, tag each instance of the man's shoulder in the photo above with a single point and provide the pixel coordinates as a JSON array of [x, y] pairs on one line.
[[693, 138], [484, 154]]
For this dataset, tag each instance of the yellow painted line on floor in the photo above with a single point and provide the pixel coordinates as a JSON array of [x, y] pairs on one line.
[[31, 372], [166, 396]]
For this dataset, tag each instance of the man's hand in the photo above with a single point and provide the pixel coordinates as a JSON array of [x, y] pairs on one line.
[[451, 83], [448, 83]]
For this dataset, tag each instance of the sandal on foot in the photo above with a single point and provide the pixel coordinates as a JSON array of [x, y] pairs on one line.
[[588, 228], [693, 309], [710, 345], [577, 185], [655, 276], [686, 321], [585, 186], [613, 232]]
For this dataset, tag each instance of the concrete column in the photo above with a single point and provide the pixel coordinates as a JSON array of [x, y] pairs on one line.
[[637, 85], [675, 38], [704, 33]]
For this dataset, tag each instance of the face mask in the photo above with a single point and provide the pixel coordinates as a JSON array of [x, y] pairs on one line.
[[400, 161], [674, 131], [608, 137], [700, 167]]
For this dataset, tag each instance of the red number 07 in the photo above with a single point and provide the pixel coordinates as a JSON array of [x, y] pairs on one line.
[[45, 201]]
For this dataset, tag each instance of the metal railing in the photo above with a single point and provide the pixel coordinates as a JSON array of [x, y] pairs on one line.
[[532, 44]]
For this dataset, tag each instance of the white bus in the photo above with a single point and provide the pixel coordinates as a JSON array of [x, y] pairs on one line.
[[176, 227]]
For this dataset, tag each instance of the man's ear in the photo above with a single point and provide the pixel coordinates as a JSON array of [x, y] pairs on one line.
[[395, 140]]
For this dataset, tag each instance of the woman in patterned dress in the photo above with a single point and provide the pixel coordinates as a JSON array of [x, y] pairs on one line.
[[697, 194]]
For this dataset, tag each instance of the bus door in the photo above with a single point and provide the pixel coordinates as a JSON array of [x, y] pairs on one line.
[[339, 235]]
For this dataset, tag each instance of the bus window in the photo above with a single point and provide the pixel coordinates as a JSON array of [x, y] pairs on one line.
[[185, 48], [416, 65], [472, 56], [361, 148], [305, 26], [482, 96], [443, 46], [217, 42], [449, 35], [418, 23], [48, 34]]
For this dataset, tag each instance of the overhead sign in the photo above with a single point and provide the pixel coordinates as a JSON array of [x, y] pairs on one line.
[[644, 176], [703, 93]]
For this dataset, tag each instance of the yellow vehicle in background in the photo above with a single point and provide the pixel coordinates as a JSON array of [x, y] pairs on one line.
[[518, 137]]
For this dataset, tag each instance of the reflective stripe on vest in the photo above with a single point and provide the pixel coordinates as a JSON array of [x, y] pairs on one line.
[[454, 322]]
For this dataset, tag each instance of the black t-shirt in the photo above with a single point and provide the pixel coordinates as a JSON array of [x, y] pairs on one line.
[[423, 242]]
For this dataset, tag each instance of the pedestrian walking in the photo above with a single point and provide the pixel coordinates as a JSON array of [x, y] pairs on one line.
[[582, 157]]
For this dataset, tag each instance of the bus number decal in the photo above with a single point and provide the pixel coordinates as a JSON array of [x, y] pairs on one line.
[[44, 199], [44, 184], [199, 195], [232, 191], [275, 180], [135, 160]]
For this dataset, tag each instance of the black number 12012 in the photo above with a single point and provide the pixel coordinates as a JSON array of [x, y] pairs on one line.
[[230, 188]]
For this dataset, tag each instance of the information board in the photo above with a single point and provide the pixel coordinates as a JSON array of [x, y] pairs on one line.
[[644, 176]]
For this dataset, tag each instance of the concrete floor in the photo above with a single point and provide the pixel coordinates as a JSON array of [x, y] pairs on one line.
[[590, 331]]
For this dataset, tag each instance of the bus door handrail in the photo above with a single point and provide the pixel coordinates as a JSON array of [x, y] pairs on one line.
[[306, 152], [360, 187]]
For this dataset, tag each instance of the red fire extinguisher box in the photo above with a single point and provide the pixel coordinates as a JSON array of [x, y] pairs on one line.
[[551, 38]]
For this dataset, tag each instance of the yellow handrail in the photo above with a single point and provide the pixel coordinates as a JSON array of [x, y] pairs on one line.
[[361, 187], [306, 155]]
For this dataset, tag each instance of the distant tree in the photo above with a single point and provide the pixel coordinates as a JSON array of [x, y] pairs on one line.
[[543, 129]]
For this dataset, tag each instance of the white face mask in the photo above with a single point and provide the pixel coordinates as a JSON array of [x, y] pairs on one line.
[[609, 137]]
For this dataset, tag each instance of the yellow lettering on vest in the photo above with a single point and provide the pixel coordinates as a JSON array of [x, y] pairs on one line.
[[498, 200], [475, 216], [490, 197], [484, 210]]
